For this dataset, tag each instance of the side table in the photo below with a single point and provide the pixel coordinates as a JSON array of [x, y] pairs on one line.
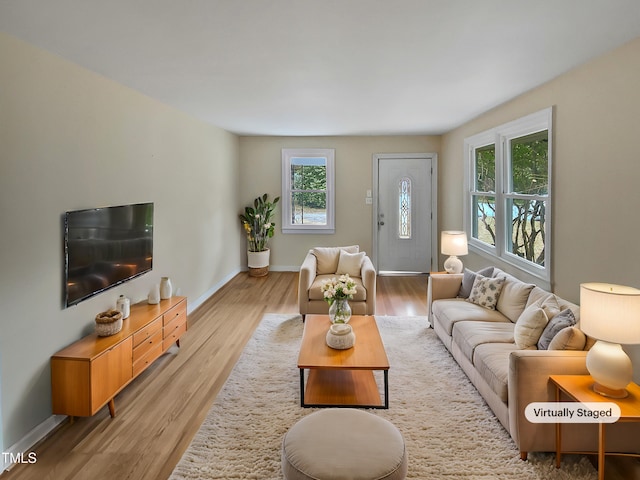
[[579, 388]]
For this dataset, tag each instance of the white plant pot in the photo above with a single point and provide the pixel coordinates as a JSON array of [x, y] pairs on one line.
[[258, 263]]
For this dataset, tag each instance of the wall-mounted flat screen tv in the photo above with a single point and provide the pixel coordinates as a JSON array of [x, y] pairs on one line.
[[104, 247]]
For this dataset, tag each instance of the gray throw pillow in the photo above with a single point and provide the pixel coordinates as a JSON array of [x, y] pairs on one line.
[[469, 277], [564, 319]]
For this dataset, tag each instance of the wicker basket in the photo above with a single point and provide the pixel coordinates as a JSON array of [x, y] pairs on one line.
[[108, 323]]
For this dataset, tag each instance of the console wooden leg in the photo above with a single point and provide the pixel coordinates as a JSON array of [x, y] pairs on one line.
[[178, 343], [112, 408], [523, 456]]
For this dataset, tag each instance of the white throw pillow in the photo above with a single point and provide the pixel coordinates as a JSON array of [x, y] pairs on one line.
[[350, 264], [513, 298], [327, 258], [529, 327], [486, 291], [569, 338]]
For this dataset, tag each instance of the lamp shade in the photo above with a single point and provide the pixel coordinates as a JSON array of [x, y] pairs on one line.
[[453, 242], [610, 312]]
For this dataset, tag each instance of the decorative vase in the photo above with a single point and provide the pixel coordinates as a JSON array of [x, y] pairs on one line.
[[123, 305], [154, 295], [340, 336], [258, 263], [166, 289], [340, 311]]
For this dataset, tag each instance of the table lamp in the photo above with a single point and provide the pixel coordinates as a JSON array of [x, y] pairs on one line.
[[610, 314], [453, 243]]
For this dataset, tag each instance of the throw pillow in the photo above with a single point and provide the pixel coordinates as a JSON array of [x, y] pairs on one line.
[[350, 264], [469, 277], [569, 338], [529, 327], [327, 258], [562, 320], [513, 298], [485, 291]]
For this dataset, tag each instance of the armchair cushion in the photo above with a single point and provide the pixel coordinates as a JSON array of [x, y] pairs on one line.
[[350, 263], [315, 292], [327, 257]]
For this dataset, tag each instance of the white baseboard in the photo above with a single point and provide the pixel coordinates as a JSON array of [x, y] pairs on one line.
[[30, 439], [205, 296]]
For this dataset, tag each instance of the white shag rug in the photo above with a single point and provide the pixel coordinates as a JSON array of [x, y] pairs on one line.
[[449, 431]]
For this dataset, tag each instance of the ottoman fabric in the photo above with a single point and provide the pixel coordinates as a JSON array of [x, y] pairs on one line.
[[343, 444]]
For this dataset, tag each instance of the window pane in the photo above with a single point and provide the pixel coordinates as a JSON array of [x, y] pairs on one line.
[[485, 169], [404, 203], [530, 164], [527, 236], [484, 219], [309, 173], [308, 208]]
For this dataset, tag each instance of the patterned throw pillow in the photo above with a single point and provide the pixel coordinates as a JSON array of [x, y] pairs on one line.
[[469, 277], [485, 291]]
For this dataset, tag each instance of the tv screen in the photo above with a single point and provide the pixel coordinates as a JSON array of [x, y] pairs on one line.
[[104, 247]]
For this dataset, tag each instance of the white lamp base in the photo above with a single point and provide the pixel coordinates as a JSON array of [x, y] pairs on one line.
[[453, 264], [611, 369]]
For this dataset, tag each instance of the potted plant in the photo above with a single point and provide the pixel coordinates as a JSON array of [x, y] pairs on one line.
[[259, 228]]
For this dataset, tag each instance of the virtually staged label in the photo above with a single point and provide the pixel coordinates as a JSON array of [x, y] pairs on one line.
[[572, 412]]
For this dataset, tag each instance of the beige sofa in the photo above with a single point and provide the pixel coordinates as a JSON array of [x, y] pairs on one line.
[[322, 263], [498, 350]]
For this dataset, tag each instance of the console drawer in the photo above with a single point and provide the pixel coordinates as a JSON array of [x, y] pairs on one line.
[[148, 344], [174, 335], [147, 359], [146, 332], [175, 312]]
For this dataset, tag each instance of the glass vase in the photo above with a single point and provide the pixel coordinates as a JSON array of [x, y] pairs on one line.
[[340, 311]]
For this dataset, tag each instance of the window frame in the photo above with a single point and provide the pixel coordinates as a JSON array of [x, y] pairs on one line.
[[288, 154], [501, 137]]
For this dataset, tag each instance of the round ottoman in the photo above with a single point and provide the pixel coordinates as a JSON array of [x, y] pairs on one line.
[[343, 444]]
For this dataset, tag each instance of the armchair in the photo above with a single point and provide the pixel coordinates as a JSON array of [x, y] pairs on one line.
[[322, 263]]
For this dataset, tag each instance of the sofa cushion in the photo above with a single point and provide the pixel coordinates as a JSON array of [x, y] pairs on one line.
[[448, 311], [529, 327], [513, 297], [350, 263], [485, 291], [468, 279], [468, 335], [562, 320], [569, 338], [327, 258], [316, 293], [492, 363]]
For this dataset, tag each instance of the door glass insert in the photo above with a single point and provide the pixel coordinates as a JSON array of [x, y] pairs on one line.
[[404, 201]]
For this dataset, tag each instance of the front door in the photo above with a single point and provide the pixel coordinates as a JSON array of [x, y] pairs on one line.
[[404, 213]]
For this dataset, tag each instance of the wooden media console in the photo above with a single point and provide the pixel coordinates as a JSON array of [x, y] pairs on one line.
[[88, 374]]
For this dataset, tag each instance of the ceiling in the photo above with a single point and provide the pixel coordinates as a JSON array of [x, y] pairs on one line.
[[327, 67]]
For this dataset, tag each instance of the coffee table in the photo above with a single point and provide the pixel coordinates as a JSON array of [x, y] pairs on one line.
[[342, 378]]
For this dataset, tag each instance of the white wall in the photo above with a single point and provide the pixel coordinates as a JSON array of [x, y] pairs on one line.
[[71, 139], [261, 172], [596, 171]]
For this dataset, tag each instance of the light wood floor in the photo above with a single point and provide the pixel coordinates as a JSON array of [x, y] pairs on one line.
[[161, 410]]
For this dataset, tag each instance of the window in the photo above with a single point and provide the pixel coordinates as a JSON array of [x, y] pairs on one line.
[[308, 190], [508, 175]]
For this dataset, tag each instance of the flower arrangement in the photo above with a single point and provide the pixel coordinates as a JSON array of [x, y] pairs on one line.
[[344, 288], [257, 223]]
